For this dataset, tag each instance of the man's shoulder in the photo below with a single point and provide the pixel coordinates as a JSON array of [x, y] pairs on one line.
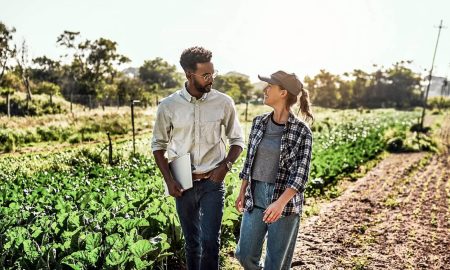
[[222, 96], [170, 98]]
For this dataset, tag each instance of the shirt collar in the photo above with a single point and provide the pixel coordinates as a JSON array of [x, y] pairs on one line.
[[185, 93], [291, 118]]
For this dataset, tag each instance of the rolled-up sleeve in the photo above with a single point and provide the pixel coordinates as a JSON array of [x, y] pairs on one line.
[[233, 129], [161, 129], [299, 170], [245, 173]]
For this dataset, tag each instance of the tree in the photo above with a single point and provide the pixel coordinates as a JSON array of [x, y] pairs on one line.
[[23, 70], [46, 70], [7, 92], [360, 84], [8, 86], [324, 87], [7, 49], [158, 75], [345, 91], [403, 85], [49, 89], [102, 59], [131, 88], [236, 85], [106, 92], [92, 63]]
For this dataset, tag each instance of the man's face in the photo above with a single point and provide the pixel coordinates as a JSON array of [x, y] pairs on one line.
[[204, 70]]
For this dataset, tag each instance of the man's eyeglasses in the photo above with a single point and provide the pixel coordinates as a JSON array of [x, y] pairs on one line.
[[207, 76]]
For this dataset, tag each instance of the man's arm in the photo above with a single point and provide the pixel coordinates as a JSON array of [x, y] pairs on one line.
[[218, 174], [234, 133], [173, 186], [160, 140]]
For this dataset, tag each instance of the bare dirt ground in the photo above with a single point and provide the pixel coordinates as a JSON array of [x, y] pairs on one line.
[[396, 217]]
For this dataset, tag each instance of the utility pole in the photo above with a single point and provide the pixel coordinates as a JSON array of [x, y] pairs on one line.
[[447, 92], [430, 77]]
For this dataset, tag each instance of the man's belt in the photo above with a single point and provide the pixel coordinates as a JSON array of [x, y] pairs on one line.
[[200, 176]]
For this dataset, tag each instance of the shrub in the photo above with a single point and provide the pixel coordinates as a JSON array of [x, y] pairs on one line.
[[7, 141]]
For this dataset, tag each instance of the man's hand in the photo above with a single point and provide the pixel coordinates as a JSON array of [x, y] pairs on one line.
[[218, 174], [174, 187]]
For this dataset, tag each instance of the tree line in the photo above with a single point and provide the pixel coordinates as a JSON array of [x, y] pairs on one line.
[[91, 73]]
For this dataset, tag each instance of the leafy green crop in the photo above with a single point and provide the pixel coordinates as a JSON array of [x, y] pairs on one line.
[[72, 210]]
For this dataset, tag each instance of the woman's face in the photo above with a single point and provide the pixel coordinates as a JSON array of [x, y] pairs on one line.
[[272, 94]]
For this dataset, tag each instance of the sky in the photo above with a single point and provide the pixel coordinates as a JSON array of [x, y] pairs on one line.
[[251, 37]]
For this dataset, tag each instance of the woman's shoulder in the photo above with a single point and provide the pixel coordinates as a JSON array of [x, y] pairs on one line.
[[301, 126], [260, 117]]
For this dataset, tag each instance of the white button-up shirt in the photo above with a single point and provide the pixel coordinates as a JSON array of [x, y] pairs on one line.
[[185, 124]]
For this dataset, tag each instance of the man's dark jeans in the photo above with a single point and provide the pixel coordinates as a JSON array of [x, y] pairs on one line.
[[200, 210]]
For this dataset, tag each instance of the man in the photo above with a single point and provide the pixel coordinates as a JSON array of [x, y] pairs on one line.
[[191, 121]]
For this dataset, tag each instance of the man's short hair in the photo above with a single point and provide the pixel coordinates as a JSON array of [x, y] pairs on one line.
[[191, 56]]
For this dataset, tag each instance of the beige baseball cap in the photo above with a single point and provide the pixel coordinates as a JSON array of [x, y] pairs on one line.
[[288, 81]]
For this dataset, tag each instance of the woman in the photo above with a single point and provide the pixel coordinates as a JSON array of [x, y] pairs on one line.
[[274, 176]]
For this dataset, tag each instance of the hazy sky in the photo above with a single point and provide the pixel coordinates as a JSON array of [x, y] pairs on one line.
[[252, 37]]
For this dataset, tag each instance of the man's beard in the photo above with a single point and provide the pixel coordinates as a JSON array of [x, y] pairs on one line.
[[202, 89]]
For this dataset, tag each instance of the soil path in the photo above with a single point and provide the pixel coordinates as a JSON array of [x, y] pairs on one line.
[[396, 217]]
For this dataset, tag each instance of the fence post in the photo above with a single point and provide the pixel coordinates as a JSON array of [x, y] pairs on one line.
[[8, 104], [71, 100], [110, 152], [246, 110], [132, 124]]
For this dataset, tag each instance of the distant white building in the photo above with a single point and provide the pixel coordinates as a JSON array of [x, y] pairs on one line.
[[437, 87]]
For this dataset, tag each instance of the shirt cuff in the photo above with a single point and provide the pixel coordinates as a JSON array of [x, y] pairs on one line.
[[156, 147], [238, 142]]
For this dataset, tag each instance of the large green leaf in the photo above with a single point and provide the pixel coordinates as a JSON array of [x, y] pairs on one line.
[[141, 264], [93, 240], [128, 224], [30, 250], [141, 247], [116, 257], [86, 257]]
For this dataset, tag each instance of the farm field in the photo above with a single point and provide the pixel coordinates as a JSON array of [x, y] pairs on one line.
[[68, 208]]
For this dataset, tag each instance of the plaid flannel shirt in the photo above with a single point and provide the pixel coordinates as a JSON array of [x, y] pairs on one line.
[[294, 161]]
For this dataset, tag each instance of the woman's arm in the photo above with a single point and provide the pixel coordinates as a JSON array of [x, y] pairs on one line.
[[274, 210], [240, 200]]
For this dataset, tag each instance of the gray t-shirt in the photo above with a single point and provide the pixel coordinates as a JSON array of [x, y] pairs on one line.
[[266, 162]]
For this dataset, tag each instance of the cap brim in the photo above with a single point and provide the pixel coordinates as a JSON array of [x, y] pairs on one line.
[[267, 79]]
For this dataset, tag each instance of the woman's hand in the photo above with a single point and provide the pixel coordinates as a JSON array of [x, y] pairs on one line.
[[273, 211], [239, 204], [240, 200]]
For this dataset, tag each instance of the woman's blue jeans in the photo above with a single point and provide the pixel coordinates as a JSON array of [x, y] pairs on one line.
[[281, 235]]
